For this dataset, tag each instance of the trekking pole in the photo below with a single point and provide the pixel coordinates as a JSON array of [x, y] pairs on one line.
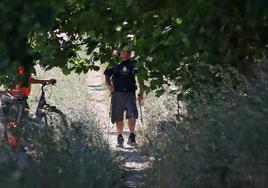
[[110, 110], [143, 134], [108, 125], [141, 112]]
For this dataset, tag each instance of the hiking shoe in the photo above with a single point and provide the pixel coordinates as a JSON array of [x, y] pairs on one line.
[[120, 140], [131, 139]]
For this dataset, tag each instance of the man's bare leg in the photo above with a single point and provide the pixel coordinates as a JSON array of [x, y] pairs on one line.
[[131, 124], [119, 127]]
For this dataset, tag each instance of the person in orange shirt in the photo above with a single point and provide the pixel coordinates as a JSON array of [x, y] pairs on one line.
[[23, 88], [21, 92]]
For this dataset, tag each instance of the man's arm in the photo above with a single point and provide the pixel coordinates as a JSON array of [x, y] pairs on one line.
[[140, 81], [108, 83], [141, 84], [37, 81]]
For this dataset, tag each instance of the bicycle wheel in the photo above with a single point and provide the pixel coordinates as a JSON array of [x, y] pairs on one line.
[[55, 122], [3, 125], [3, 131], [7, 134]]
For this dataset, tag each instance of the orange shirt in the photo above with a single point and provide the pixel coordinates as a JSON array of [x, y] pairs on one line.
[[20, 90], [24, 90]]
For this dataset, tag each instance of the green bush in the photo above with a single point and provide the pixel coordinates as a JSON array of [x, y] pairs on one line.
[[80, 159], [223, 145]]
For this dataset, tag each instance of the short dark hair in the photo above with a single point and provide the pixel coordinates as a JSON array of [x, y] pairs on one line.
[[125, 48]]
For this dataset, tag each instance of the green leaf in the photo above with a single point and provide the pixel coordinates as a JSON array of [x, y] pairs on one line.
[[159, 93]]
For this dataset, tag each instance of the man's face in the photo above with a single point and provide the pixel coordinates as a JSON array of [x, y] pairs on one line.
[[124, 54]]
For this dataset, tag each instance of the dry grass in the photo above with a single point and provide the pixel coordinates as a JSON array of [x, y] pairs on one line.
[[80, 159]]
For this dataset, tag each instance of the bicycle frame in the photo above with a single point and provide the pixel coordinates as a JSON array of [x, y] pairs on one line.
[[41, 104], [19, 105], [14, 106], [11, 112], [45, 115]]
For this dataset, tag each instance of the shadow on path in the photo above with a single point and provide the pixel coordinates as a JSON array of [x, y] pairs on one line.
[[134, 162], [96, 87]]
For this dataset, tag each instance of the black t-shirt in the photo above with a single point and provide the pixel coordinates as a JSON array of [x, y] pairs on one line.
[[123, 76]]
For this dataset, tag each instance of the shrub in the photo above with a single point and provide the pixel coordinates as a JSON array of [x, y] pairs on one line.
[[224, 144], [81, 159]]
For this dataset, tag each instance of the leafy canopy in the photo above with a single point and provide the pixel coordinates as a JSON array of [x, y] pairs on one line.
[[191, 44]]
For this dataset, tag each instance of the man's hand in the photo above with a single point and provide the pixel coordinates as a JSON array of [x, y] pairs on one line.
[[111, 88], [140, 96], [37, 81], [52, 81]]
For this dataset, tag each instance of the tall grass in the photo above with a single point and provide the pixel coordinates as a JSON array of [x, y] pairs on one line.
[[81, 158], [224, 145]]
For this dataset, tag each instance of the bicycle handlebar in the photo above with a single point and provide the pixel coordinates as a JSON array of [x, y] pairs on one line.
[[45, 84]]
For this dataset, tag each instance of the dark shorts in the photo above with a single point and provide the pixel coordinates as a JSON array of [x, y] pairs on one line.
[[121, 102]]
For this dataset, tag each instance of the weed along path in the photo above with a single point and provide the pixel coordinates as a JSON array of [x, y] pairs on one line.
[[133, 161]]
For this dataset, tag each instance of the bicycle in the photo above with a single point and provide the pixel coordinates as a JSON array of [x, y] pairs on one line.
[[13, 112]]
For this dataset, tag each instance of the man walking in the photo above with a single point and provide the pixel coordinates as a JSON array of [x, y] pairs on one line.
[[121, 82]]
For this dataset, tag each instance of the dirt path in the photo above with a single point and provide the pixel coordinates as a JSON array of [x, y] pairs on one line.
[[134, 163]]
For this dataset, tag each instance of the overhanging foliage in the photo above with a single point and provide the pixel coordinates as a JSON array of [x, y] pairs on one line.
[[190, 43]]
